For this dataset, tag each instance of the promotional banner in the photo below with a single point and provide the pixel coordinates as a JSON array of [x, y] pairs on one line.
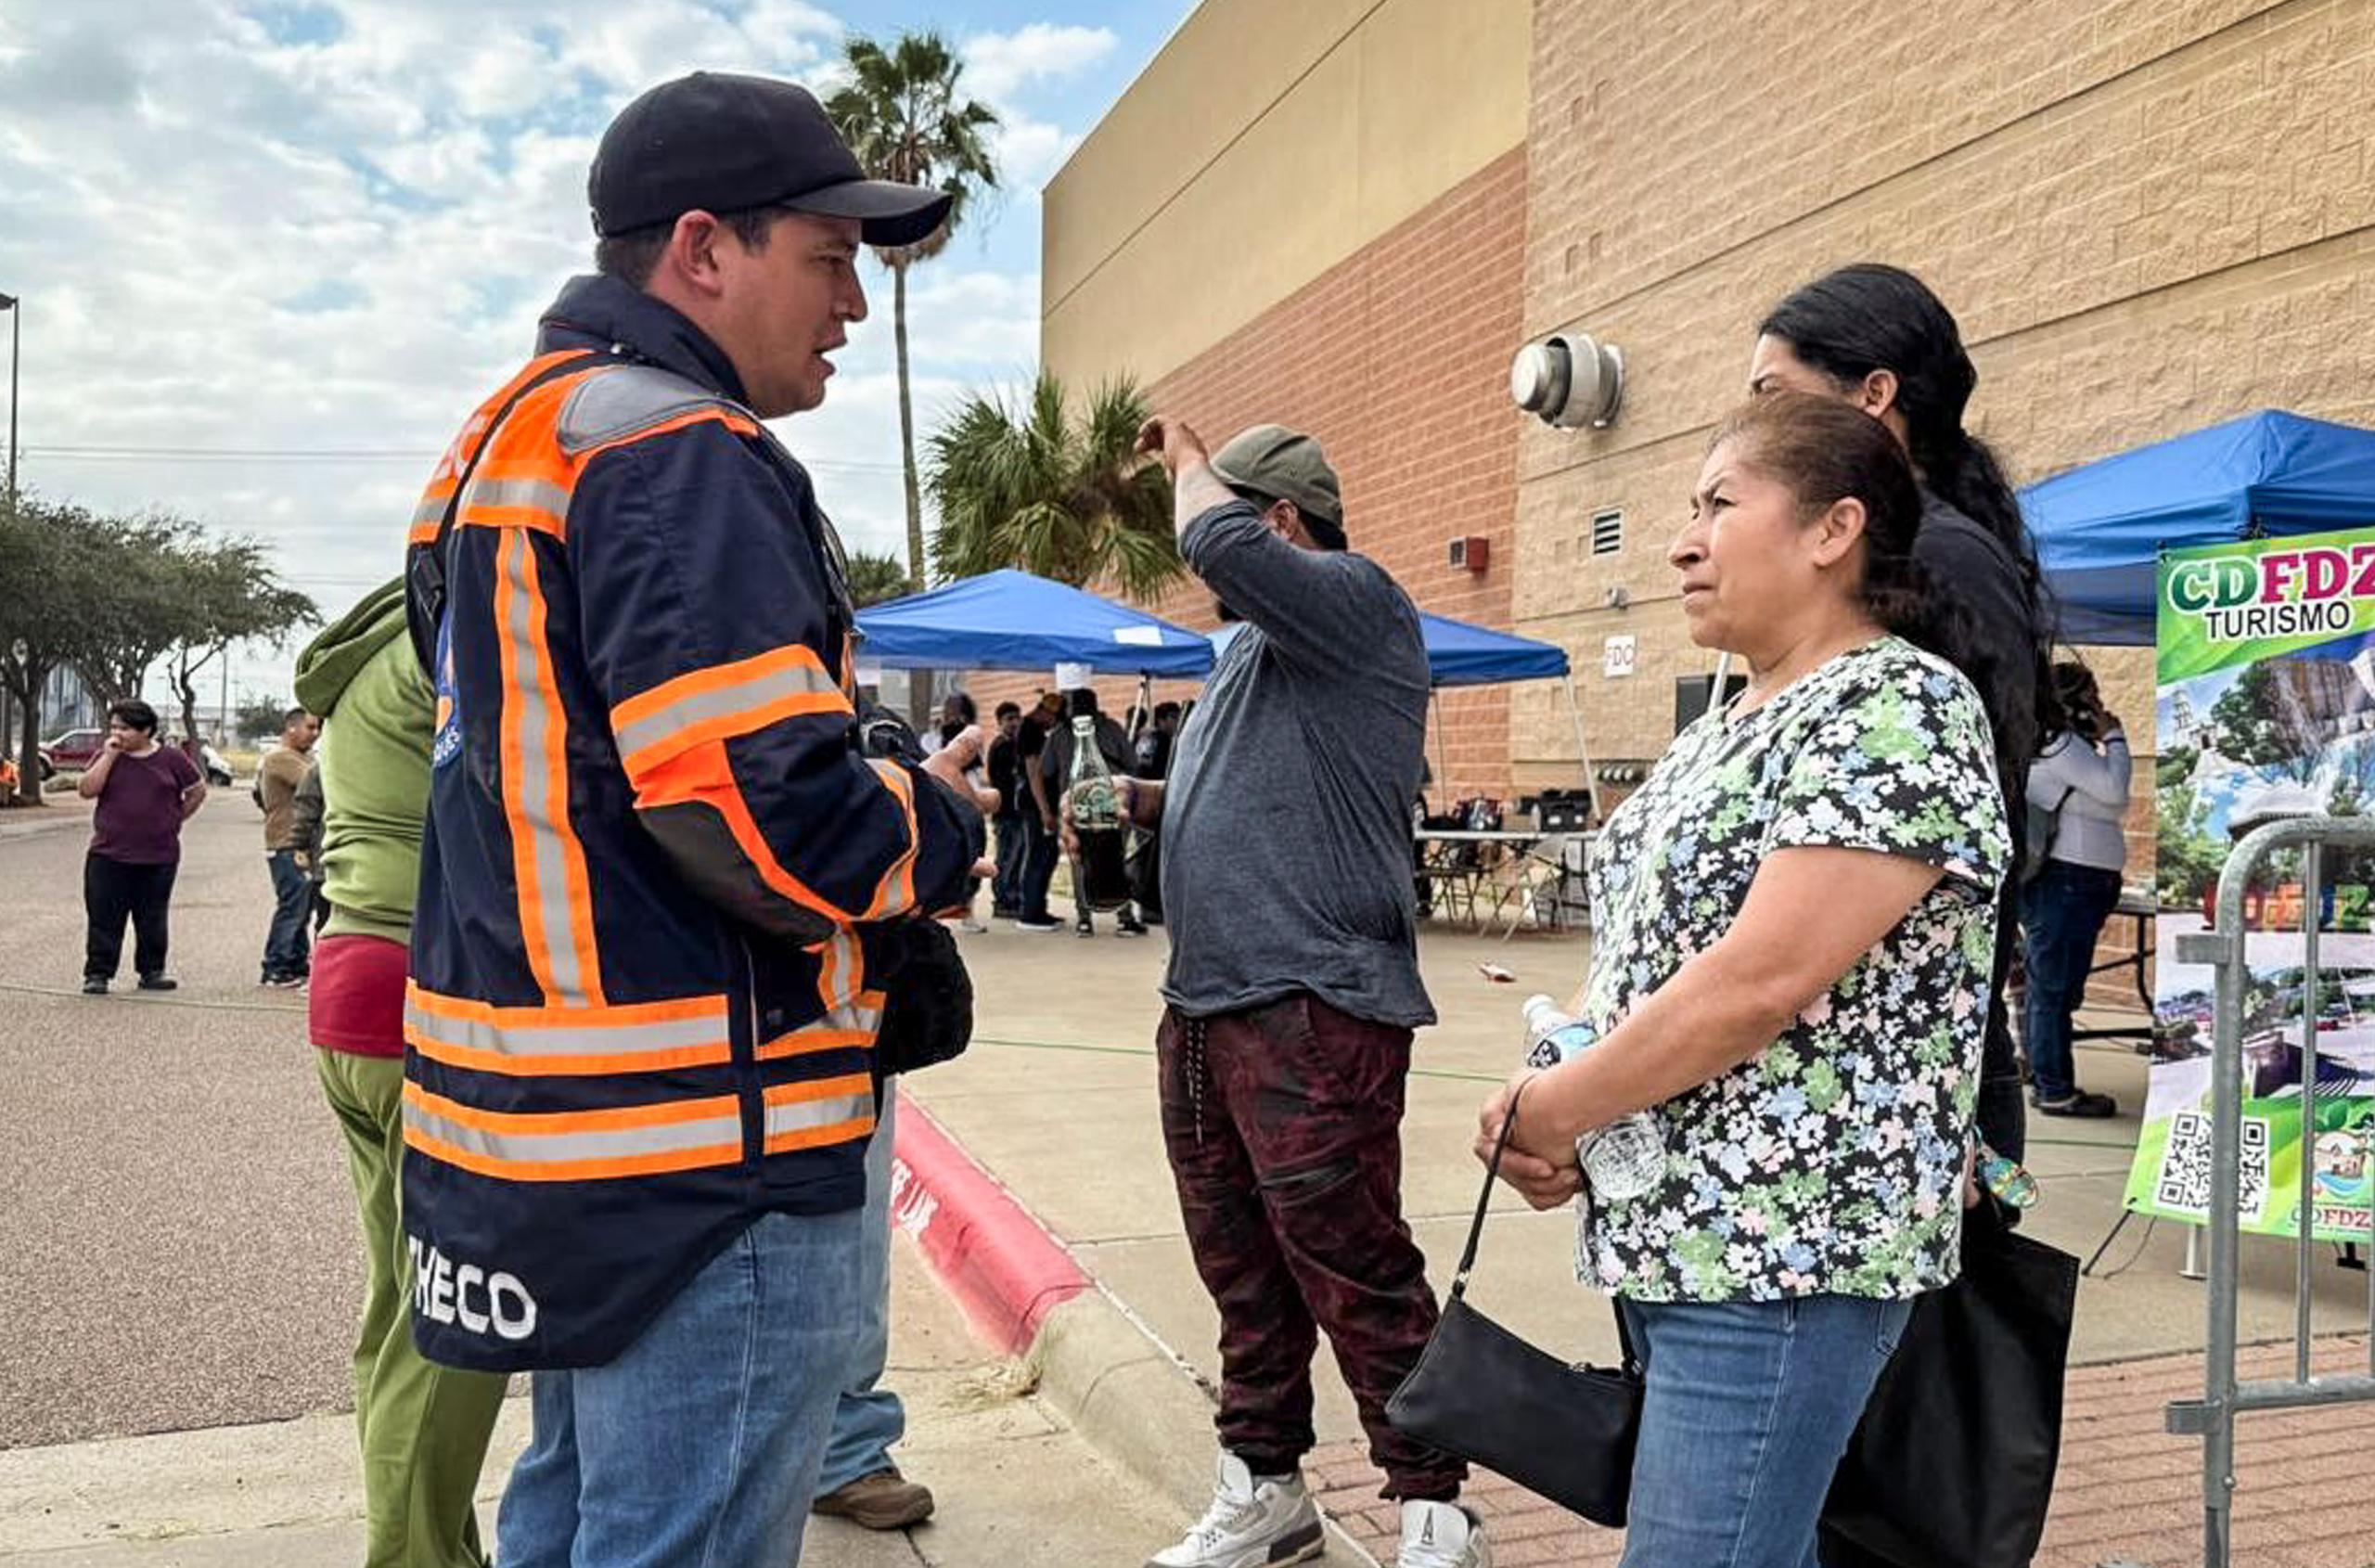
[[2266, 711]]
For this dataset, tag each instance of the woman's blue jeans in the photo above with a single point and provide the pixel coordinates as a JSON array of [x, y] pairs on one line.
[[698, 1446], [2062, 912], [1749, 1406]]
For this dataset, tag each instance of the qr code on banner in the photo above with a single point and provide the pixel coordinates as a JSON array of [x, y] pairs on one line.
[[2184, 1166]]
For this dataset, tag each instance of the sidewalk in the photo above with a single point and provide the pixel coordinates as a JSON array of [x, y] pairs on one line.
[[1015, 1484], [1055, 1100]]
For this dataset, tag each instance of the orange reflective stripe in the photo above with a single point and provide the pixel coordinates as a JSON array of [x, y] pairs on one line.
[[733, 422], [811, 1116], [896, 890], [701, 775], [547, 862], [556, 1042], [723, 701], [440, 489], [575, 1146]]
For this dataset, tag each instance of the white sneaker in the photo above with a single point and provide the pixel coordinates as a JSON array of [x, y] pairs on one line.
[[1251, 1525], [1441, 1535]]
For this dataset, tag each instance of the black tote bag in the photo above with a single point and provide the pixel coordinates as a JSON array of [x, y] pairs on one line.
[[1566, 1432], [1953, 1464]]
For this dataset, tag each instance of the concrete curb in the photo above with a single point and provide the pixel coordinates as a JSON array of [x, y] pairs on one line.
[[1133, 1398], [1005, 1270]]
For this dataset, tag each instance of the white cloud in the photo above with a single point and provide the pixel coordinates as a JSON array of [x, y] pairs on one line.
[[1000, 65], [328, 226]]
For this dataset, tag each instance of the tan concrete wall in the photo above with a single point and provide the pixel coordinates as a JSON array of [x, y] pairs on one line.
[[1265, 144], [2149, 217]]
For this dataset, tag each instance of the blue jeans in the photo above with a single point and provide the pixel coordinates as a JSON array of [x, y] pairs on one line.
[[1039, 849], [2062, 912], [1749, 1406], [1005, 893], [698, 1446], [287, 950], [868, 1420]]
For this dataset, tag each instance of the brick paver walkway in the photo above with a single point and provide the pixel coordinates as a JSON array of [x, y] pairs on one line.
[[2128, 1492]]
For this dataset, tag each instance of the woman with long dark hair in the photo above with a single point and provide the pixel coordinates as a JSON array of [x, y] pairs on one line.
[[1788, 972], [1876, 337]]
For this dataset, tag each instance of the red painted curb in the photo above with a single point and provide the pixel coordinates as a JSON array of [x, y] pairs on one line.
[[1004, 1269]]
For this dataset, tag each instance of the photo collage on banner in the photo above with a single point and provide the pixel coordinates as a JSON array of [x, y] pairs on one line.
[[2266, 711]]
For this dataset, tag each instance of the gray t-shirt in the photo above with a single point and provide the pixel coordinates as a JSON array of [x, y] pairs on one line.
[[1286, 822]]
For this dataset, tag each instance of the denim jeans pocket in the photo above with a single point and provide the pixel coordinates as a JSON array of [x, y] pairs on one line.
[[1889, 1318]]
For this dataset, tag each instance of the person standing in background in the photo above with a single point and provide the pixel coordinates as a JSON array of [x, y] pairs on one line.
[[1039, 826], [287, 947], [145, 792], [2080, 780], [423, 1428], [1005, 772]]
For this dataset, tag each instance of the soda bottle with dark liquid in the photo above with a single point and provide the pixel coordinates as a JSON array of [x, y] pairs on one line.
[[1102, 870]]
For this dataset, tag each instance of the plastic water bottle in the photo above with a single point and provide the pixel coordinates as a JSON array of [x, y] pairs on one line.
[[1621, 1160]]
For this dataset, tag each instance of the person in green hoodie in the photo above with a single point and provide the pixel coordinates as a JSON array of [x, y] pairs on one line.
[[424, 1427]]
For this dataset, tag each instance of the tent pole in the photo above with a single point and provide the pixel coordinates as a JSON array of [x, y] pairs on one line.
[[1582, 751], [1443, 768]]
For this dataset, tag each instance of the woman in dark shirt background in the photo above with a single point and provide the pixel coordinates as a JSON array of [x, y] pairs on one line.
[[1878, 338], [146, 792]]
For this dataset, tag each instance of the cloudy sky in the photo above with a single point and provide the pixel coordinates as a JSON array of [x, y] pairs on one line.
[[272, 252]]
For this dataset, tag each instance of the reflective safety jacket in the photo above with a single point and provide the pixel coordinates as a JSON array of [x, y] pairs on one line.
[[639, 1015]]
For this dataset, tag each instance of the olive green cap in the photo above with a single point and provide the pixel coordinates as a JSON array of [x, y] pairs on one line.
[[1286, 466]]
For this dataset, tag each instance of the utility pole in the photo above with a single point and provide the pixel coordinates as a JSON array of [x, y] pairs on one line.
[[16, 355]]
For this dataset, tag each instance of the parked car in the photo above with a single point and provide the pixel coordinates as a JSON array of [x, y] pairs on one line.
[[74, 751]]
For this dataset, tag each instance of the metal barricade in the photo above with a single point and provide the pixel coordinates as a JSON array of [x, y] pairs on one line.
[[2212, 1418]]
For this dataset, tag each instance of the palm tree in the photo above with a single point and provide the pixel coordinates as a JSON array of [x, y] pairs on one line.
[[875, 578], [1030, 487], [903, 115]]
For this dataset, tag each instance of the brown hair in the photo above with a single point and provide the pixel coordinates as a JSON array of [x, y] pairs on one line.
[[1824, 451]]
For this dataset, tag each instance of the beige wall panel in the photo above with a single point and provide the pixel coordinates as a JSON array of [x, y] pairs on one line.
[[1217, 76], [1185, 215]]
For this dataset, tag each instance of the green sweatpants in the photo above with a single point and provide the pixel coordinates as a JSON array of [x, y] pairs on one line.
[[424, 1427]]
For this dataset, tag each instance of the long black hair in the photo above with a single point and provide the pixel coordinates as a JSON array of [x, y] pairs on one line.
[[1872, 317]]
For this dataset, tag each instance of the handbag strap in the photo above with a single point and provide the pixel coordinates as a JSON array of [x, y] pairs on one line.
[[1476, 1233], [1484, 1198]]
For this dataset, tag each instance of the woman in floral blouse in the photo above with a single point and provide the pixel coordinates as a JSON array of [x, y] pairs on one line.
[[1790, 969]]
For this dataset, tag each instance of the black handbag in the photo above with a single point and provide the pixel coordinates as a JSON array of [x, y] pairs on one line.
[[928, 996], [1563, 1430], [1953, 1464]]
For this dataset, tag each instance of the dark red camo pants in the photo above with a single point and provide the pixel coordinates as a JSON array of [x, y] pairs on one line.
[[1284, 1127]]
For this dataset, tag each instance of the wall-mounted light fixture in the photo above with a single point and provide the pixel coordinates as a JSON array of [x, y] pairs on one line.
[[1569, 380]]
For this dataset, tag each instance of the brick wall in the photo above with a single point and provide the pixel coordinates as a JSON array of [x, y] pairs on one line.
[[1398, 360], [2150, 215]]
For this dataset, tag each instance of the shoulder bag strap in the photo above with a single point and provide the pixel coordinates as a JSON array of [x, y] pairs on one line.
[[1476, 1233]]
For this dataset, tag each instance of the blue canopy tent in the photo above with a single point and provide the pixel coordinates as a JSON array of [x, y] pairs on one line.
[[1014, 620], [1459, 654], [1462, 654], [2099, 529]]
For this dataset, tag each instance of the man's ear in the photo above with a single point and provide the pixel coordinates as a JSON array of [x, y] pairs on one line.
[[691, 258]]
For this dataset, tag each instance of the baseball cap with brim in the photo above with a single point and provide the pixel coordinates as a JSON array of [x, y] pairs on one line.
[[1285, 465], [722, 143], [887, 212]]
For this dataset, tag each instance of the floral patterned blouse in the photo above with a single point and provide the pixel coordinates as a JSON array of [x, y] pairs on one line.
[[1832, 1161]]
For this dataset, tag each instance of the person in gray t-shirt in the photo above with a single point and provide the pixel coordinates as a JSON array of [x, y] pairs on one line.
[[1293, 989]]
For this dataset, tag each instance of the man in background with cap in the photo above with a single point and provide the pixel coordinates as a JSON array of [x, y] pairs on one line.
[[1293, 990], [657, 871]]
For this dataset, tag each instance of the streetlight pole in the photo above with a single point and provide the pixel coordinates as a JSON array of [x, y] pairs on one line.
[[15, 353]]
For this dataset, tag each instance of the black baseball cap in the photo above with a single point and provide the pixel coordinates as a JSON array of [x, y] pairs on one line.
[[723, 144]]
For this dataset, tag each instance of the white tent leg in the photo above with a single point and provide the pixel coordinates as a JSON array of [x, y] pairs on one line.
[[1582, 751], [1442, 769]]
